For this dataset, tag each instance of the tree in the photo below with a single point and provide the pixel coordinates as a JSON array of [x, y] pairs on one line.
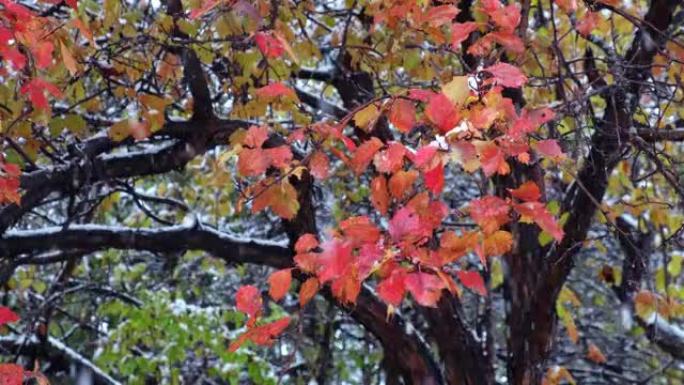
[[458, 178]]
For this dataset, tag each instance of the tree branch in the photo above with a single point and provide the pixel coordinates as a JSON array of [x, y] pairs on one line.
[[399, 339]]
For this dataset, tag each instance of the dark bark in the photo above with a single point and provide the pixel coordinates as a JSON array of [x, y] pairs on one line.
[[533, 343]]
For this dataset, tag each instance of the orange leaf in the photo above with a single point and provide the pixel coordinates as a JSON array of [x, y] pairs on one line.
[[360, 230], [279, 283], [280, 197], [453, 246], [499, 243], [305, 243], [400, 183], [364, 154], [308, 291], [68, 59], [595, 354], [490, 213], [248, 300], [528, 191], [347, 287], [403, 115], [275, 90], [379, 195]]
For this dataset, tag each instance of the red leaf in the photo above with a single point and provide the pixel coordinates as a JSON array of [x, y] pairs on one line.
[[440, 15], [549, 148], [404, 223], [248, 300], [364, 154], [11, 374], [359, 230], [318, 165], [269, 45], [493, 160], [442, 113], [369, 255], [261, 335], [334, 259], [507, 75], [587, 23], [42, 51], [7, 316], [306, 243], [36, 89], [256, 136], [509, 40], [528, 191], [420, 95], [393, 288], [425, 288], [460, 32], [15, 57], [280, 156], [473, 281], [506, 18], [434, 179], [542, 217], [424, 156], [490, 213], [275, 90], [252, 162], [390, 160], [403, 115], [203, 9], [529, 121], [279, 283], [568, 6]]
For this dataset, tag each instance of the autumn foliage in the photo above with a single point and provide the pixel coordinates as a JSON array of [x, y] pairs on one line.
[[505, 100]]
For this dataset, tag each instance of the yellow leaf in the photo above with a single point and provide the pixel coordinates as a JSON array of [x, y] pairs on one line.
[[120, 130], [645, 304], [457, 89], [69, 60], [366, 117]]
